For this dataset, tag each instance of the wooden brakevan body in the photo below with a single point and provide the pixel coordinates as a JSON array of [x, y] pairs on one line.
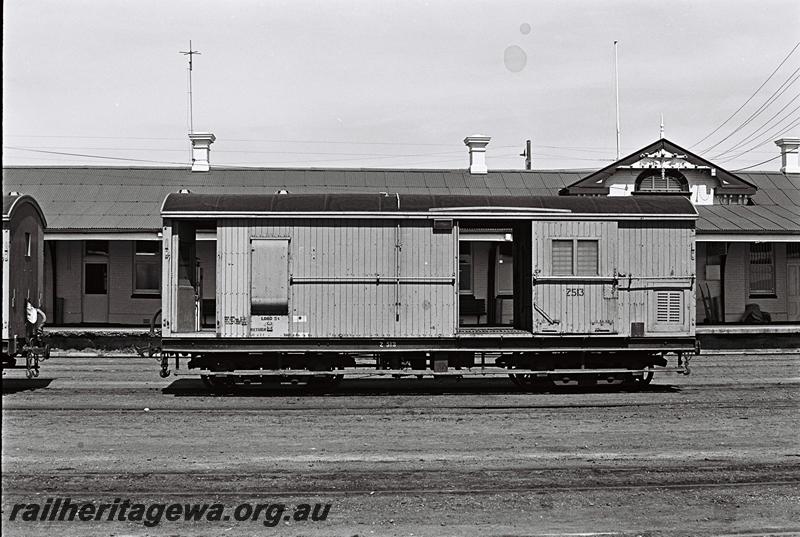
[[23, 266], [339, 274]]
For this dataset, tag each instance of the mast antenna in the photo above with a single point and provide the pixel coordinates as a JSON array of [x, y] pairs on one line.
[[616, 94], [190, 53]]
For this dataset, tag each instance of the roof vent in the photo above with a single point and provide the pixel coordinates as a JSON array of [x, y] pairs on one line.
[[477, 152], [790, 154], [201, 150]]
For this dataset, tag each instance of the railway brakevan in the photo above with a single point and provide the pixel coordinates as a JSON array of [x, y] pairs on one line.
[[316, 287], [23, 274]]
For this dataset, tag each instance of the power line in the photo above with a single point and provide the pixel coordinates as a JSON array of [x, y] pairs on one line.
[[590, 149], [765, 140], [92, 156], [765, 124], [748, 99], [771, 99], [759, 164]]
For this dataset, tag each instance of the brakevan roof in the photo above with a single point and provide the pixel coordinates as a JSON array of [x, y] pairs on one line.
[[199, 204], [129, 199], [12, 203]]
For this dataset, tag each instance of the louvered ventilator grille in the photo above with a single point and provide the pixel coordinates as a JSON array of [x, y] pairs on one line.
[[668, 307]]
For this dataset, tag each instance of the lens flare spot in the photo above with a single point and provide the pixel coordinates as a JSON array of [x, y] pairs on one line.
[[515, 58]]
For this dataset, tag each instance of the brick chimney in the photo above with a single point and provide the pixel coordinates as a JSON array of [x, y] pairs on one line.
[[790, 154], [201, 150], [477, 152]]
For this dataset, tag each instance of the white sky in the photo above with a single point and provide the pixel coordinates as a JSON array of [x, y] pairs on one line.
[[392, 84]]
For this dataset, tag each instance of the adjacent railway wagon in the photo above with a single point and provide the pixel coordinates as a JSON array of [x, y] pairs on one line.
[[23, 272], [316, 287]]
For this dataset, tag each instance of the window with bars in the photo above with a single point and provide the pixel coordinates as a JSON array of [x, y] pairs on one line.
[[669, 307], [575, 257], [147, 267], [762, 269], [661, 181]]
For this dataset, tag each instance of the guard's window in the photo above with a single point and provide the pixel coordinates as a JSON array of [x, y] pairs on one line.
[[575, 257], [562, 258], [762, 269], [464, 267], [587, 258], [96, 248], [147, 267]]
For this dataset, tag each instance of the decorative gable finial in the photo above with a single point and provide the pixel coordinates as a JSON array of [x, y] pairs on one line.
[[661, 130]]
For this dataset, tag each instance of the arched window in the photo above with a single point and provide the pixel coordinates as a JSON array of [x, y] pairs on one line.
[[656, 181]]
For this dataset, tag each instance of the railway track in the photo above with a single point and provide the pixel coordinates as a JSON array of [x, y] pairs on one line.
[[521, 479]]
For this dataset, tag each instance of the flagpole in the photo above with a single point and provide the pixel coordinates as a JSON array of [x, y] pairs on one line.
[[616, 95]]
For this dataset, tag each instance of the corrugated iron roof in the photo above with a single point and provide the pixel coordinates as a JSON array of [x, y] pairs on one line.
[[76, 198], [125, 199], [756, 219]]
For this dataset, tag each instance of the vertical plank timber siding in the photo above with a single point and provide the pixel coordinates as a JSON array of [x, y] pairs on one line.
[[580, 306], [343, 277], [657, 257]]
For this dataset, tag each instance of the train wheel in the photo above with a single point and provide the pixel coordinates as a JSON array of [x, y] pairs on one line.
[[646, 378], [218, 384], [637, 381], [531, 382]]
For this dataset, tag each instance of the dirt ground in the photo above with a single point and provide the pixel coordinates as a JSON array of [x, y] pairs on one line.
[[714, 453]]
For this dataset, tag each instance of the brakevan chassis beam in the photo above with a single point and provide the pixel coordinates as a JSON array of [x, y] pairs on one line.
[[188, 348], [474, 372], [204, 345]]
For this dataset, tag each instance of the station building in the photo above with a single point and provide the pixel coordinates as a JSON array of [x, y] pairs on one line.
[[102, 256]]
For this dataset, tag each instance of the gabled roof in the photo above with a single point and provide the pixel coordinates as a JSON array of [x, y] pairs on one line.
[[595, 183], [129, 199]]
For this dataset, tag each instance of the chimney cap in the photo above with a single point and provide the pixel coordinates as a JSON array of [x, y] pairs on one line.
[[475, 139], [201, 136], [788, 140], [477, 153], [201, 149], [790, 154]]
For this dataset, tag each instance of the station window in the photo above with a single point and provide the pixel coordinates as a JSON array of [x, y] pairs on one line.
[[147, 267], [464, 267], [575, 257], [96, 248], [762, 269]]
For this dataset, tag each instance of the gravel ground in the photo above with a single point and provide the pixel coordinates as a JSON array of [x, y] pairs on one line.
[[714, 453]]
